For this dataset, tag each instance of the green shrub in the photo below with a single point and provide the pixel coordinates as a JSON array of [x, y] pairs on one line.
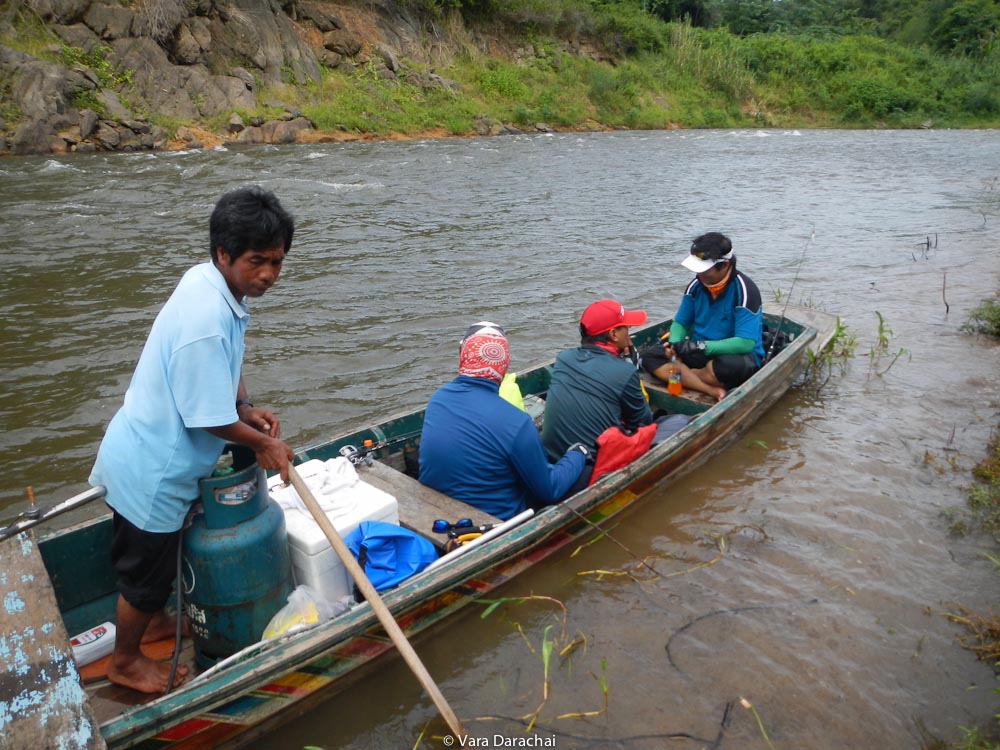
[[984, 319], [501, 80], [108, 75], [982, 98], [626, 29], [873, 96], [610, 90]]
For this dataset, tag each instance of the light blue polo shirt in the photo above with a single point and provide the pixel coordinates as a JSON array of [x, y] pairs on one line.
[[154, 451]]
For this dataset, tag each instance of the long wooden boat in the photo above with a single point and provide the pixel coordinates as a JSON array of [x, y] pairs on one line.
[[43, 702]]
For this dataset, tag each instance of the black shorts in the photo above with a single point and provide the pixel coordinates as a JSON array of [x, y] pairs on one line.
[[730, 369], [734, 369], [146, 563]]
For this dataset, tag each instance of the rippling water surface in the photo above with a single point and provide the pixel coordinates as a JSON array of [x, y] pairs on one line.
[[829, 622]]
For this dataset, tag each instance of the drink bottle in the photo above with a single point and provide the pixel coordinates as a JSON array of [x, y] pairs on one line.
[[674, 377]]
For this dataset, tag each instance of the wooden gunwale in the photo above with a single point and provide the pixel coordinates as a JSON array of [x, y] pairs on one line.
[[424, 600]]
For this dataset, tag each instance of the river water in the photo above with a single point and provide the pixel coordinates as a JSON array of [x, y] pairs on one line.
[[831, 560]]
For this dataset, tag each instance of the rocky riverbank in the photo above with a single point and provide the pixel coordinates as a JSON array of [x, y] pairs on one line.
[[113, 73]]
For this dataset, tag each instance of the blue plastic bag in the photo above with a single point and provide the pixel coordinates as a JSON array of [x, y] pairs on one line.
[[388, 553]]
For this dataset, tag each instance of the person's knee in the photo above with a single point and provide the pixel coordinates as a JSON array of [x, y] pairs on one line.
[[149, 601], [668, 424], [709, 375]]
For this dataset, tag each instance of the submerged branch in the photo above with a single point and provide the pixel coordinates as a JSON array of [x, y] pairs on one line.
[[720, 542]]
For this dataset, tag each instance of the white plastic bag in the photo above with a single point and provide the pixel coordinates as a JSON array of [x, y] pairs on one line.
[[305, 608], [330, 482]]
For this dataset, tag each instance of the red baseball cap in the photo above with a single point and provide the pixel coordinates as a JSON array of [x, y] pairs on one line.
[[606, 314]]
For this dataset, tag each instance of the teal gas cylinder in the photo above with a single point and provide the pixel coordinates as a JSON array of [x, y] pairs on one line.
[[236, 573]]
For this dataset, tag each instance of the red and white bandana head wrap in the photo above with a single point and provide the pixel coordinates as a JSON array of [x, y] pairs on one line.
[[484, 353]]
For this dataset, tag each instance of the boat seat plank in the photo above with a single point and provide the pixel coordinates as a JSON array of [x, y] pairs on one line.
[[420, 505]]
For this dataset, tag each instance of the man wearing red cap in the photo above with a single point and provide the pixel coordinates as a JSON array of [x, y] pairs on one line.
[[479, 448], [594, 387]]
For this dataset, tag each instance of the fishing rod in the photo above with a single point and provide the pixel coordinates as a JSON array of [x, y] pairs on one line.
[[781, 322], [34, 515]]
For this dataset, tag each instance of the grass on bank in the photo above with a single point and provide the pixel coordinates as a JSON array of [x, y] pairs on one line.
[[663, 75], [698, 78]]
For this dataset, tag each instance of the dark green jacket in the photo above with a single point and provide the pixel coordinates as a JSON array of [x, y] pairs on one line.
[[591, 390]]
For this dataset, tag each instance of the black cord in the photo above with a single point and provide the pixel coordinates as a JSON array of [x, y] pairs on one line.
[[180, 609]]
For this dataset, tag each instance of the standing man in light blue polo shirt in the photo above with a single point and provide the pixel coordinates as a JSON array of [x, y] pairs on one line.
[[185, 402]]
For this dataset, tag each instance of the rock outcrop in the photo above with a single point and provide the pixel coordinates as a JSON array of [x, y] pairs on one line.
[[186, 61], [119, 69]]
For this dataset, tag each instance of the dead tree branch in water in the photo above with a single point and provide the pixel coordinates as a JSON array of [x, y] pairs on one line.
[[927, 246], [720, 543]]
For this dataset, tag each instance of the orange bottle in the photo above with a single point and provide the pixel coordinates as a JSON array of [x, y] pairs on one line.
[[674, 377]]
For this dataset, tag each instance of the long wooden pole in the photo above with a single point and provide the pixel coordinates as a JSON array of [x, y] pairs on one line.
[[378, 606]]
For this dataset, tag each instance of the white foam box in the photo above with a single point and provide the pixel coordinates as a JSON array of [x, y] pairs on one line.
[[314, 563]]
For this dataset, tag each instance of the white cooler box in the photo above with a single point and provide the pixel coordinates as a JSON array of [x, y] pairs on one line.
[[347, 501]]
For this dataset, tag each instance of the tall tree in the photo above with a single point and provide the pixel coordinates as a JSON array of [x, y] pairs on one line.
[[744, 17], [695, 11], [969, 27]]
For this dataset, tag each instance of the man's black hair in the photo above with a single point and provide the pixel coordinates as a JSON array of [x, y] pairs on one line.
[[711, 245], [586, 338], [249, 218]]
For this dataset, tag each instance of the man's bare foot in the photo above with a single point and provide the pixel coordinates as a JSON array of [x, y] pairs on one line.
[[144, 674], [165, 626]]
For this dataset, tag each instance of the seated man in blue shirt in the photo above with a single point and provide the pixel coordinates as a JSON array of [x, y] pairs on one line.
[[480, 449], [717, 331]]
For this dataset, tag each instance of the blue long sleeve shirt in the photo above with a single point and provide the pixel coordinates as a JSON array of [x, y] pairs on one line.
[[482, 450]]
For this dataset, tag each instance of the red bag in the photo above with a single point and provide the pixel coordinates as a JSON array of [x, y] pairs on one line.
[[616, 449]]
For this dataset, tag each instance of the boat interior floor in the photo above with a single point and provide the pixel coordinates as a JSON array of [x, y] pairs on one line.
[[108, 700]]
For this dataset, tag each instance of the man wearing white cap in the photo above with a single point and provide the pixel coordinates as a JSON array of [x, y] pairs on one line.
[[716, 333], [481, 449]]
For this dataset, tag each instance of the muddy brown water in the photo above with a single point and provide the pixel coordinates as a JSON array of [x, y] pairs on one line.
[[833, 566]]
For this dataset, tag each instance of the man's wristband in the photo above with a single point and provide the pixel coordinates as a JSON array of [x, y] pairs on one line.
[[241, 401]]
